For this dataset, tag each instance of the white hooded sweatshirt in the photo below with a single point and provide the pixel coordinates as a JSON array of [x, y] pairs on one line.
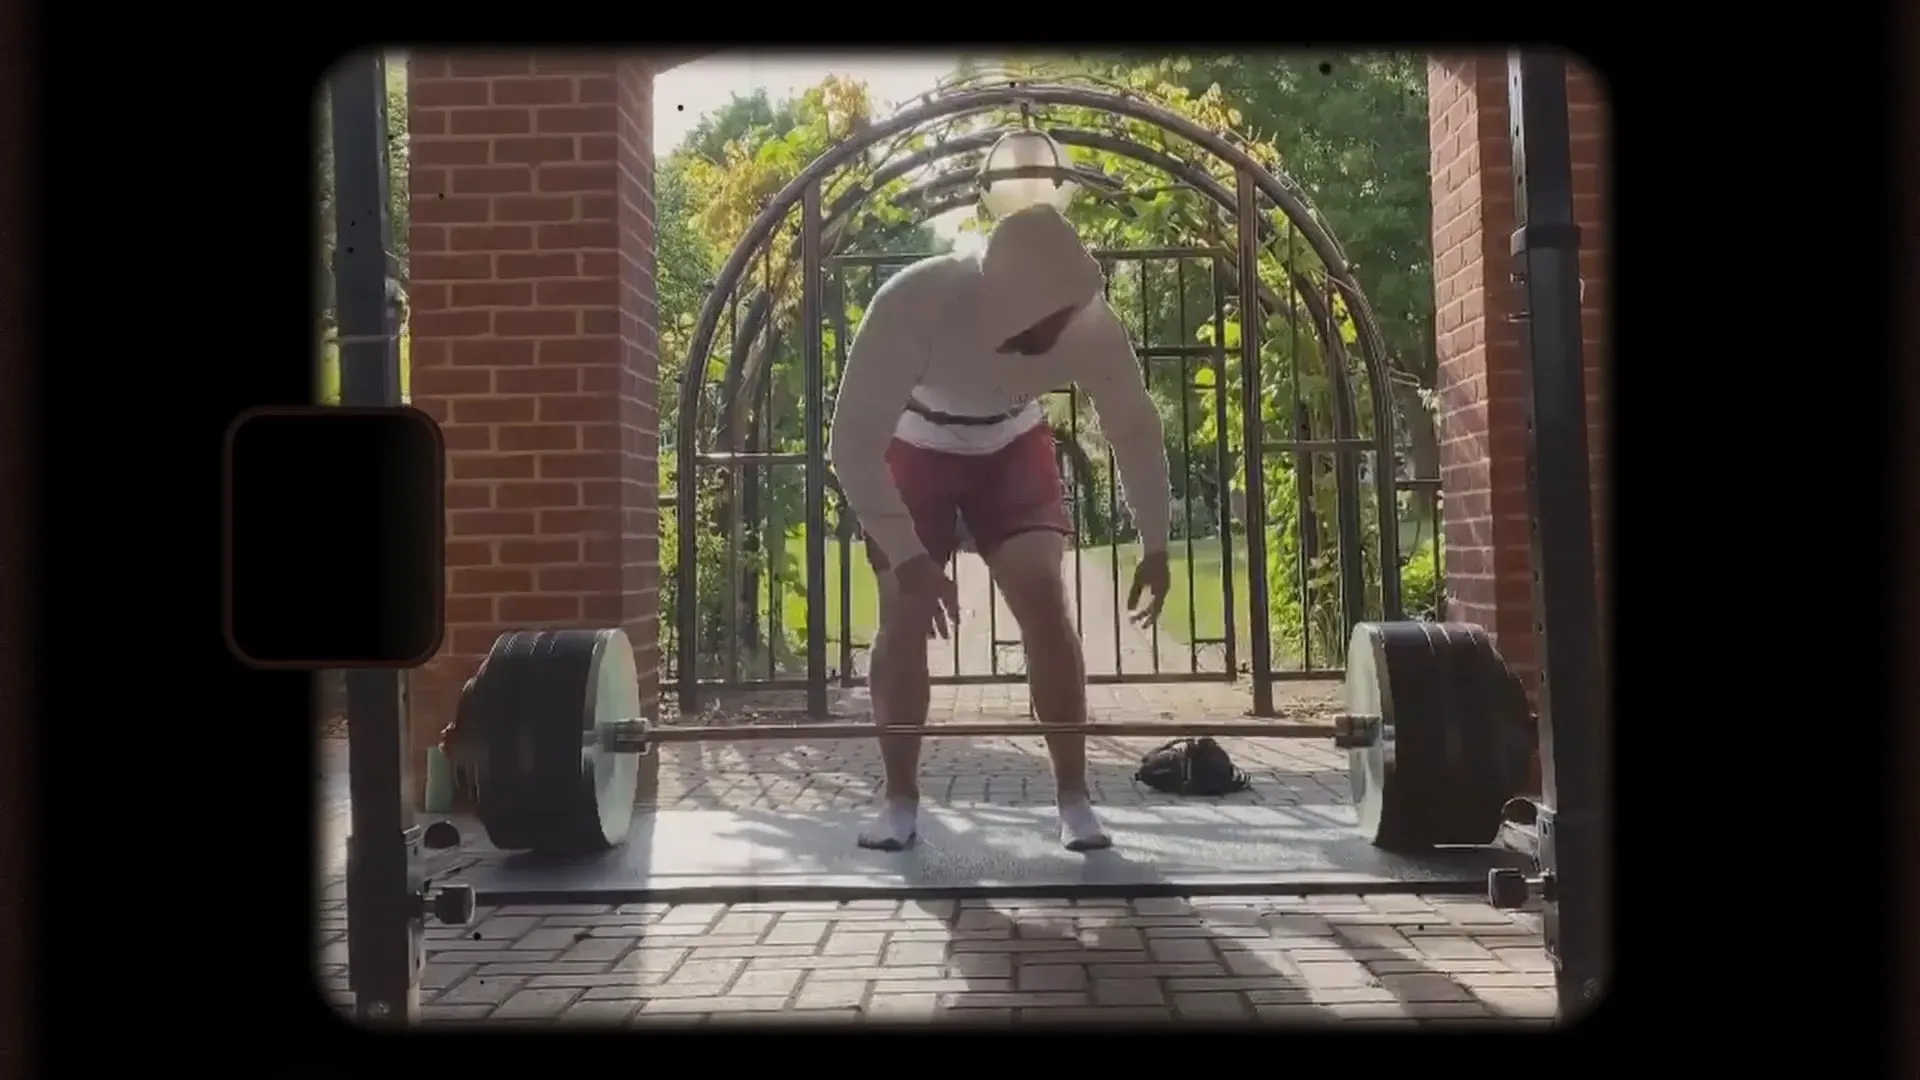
[[933, 332]]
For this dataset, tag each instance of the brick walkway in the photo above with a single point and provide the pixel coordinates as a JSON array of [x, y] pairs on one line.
[[1377, 959]]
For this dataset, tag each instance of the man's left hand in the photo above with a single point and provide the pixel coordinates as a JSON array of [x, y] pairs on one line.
[[1152, 578]]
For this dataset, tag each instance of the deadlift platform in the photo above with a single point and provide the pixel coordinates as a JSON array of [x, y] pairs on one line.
[[733, 856]]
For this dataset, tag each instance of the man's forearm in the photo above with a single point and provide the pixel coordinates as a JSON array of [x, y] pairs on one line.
[[1145, 477], [860, 464]]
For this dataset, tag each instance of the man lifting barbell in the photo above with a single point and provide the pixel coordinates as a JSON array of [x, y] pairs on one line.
[[937, 424]]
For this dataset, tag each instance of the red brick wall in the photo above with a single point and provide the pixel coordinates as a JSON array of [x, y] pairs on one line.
[[534, 346], [1481, 386], [639, 383]]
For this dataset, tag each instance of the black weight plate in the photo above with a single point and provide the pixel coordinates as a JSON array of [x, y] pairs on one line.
[[507, 782], [1390, 675], [1420, 719], [582, 688], [1438, 730], [1478, 784], [1511, 734]]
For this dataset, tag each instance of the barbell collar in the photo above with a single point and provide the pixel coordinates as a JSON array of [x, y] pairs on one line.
[[1356, 732]]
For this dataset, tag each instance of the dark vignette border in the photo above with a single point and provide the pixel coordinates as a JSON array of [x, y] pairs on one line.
[[18, 1026], [1904, 265], [274, 312]]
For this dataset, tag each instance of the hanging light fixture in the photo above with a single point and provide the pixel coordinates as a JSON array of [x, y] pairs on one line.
[[1027, 149]]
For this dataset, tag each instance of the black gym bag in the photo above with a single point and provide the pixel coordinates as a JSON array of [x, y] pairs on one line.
[[1191, 767]]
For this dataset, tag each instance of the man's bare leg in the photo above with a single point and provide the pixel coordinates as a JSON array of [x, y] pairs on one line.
[[898, 684], [1027, 568]]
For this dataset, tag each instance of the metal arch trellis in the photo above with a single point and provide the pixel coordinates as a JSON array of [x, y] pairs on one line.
[[821, 230]]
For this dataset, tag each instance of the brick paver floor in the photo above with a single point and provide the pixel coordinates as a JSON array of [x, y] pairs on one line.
[[1394, 959], [1378, 959]]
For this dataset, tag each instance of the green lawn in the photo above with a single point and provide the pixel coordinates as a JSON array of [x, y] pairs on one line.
[[863, 591], [1202, 616], [1206, 607], [1199, 612], [1188, 614], [1207, 604]]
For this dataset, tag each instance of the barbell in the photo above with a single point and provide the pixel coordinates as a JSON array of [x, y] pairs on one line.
[[552, 732]]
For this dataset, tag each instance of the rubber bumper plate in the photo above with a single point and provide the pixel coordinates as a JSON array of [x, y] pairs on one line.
[[1448, 726], [545, 702]]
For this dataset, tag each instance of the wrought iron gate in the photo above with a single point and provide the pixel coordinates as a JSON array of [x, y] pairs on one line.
[[767, 350]]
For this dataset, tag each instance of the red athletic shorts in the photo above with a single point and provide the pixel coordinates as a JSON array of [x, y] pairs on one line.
[[1013, 490]]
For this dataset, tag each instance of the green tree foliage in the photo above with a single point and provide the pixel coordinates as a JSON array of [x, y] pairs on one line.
[[708, 192]]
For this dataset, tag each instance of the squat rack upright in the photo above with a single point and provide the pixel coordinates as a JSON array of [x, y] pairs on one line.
[[1574, 880], [386, 901]]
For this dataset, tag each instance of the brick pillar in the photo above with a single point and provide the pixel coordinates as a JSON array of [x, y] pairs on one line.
[[534, 346], [1481, 386]]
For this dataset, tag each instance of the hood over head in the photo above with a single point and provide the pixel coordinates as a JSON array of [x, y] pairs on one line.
[[1034, 264]]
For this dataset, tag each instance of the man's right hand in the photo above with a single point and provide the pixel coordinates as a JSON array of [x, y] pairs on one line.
[[927, 593]]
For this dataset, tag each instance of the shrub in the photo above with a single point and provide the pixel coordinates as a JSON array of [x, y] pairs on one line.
[[1421, 580]]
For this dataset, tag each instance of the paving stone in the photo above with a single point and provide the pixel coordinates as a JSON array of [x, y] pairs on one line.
[[1127, 992], [611, 978], [700, 915], [482, 990], [778, 983], [544, 967], [989, 999], [437, 1013], [1334, 973], [1424, 988], [1210, 1006], [893, 1002], [1101, 1014], [983, 965], [1520, 1004], [915, 953], [1182, 950], [1051, 977], [854, 943], [661, 960], [1525, 959], [1234, 983], [1291, 1013], [552, 938], [788, 930], [599, 948], [503, 956], [830, 994], [441, 976], [502, 928], [706, 1004], [536, 1004], [589, 1011], [718, 972]]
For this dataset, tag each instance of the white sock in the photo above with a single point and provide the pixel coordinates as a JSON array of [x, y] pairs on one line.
[[894, 828], [1079, 828]]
